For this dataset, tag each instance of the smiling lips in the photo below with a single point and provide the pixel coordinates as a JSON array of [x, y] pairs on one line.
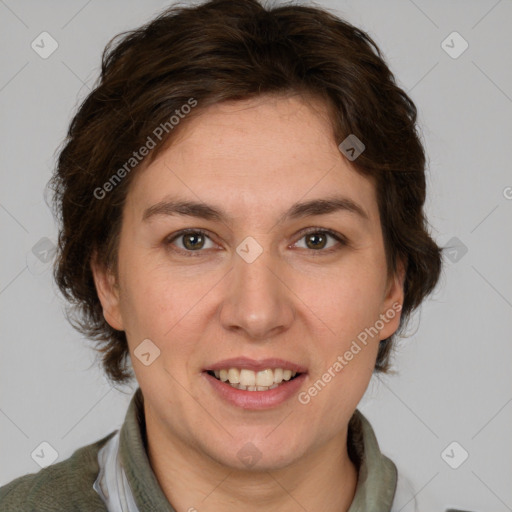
[[249, 380], [250, 375]]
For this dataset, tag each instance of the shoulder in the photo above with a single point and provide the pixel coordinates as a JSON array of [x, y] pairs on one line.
[[67, 485]]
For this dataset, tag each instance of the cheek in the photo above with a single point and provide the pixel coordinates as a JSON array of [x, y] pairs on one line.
[[145, 295], [164, 303], [346, 342], [349, 299]]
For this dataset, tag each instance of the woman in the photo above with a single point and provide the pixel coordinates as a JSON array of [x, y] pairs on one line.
[[241, 199]]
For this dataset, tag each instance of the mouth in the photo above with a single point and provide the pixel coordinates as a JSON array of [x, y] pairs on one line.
[[245, 379], [255, 384]]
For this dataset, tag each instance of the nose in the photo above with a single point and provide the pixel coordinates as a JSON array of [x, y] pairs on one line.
[[257, 301]]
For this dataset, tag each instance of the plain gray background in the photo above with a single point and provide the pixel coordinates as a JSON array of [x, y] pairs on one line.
[[453, 380]]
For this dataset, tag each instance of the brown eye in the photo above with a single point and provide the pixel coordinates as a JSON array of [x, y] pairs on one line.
[[318, 240], [193, 241], [189, 242]]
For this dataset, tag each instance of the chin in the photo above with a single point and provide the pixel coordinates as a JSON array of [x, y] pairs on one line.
[[253, 453]]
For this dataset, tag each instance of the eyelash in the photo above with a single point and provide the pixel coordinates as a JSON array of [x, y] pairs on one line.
[[338, 237]]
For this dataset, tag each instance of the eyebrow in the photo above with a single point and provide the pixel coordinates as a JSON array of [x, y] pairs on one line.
[[296, 211]]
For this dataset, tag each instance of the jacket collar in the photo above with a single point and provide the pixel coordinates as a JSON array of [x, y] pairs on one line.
[[377, 475]]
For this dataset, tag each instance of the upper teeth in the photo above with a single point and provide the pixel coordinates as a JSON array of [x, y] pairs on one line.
[[249, 378]]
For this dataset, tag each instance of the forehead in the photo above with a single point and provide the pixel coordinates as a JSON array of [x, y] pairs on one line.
[[248, 156], [262, 133]]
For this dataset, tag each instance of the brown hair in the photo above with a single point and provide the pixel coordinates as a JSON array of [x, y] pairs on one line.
[[230, 50]]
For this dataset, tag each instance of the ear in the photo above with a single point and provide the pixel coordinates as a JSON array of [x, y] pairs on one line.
[[393, 301], [108, 293]]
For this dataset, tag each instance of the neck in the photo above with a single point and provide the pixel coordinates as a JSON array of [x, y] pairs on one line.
[[324, 480]]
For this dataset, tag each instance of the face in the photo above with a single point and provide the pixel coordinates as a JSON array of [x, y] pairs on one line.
[[281, 269]]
